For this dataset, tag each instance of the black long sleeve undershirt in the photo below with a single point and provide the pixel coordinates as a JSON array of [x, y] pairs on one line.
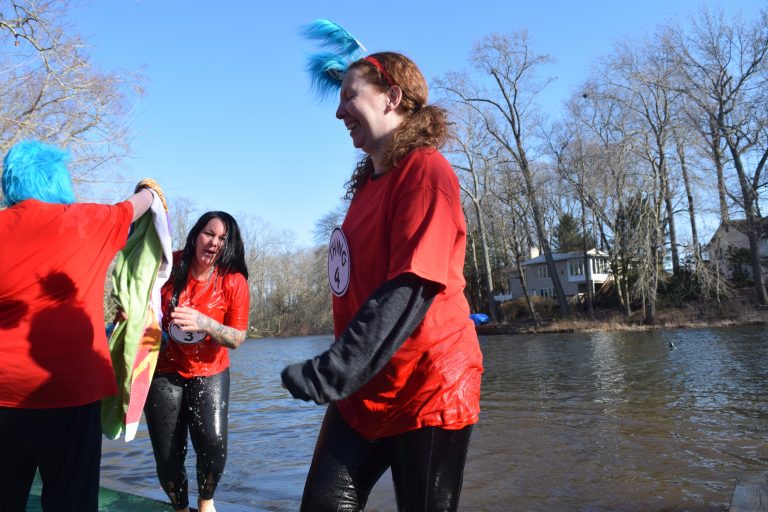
[[379, 328]]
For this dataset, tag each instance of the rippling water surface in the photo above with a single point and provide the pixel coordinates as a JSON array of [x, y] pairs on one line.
[[570, 422]]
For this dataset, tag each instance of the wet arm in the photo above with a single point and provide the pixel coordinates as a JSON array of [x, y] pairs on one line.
[[226, 336], [189, 319]]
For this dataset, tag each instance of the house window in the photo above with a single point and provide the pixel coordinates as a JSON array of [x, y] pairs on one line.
[[599, 266], [547, 292], [576, 267], [762, 247], [542, 272]]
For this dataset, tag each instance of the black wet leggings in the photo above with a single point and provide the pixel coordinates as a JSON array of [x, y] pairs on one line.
[[176, 405], [427, 468]]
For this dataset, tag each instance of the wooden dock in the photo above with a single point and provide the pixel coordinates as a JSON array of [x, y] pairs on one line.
[[750, 494]]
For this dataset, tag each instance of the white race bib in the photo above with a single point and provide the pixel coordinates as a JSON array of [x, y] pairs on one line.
[[186, 337], [338, 262]]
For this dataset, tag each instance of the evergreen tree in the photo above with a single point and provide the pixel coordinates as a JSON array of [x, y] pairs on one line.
[[568, 235]]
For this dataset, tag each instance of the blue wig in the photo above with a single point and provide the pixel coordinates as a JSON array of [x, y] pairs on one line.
[[34, 170]]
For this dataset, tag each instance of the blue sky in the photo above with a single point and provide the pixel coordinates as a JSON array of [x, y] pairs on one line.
[[228, 119]]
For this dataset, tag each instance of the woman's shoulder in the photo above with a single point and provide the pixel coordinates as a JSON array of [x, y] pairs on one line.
[[427, 165], [426, 154], [234, 280]]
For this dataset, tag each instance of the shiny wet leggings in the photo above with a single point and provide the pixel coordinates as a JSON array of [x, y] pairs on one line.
[[427, 468], [177, 405]]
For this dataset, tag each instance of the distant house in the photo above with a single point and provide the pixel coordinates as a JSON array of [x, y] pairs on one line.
[[732, 235], [570, 267]]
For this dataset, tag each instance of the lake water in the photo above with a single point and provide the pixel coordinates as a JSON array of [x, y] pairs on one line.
[[570, 422]]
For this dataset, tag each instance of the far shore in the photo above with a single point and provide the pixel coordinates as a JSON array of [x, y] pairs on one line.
[[666, 319], [733, 312]]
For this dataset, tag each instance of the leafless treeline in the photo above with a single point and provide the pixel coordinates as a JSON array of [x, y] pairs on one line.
[[663, 133], [50, 91]]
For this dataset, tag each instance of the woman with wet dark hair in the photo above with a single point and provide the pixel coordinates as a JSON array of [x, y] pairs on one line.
[[205, 312]]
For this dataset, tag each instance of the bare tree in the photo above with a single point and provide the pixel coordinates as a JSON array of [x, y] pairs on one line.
[[507, 109], [510, 193], [325, 225], [572, 164], [724, 70], [182, 215], [595, 152], [50, 90], [472, 154]]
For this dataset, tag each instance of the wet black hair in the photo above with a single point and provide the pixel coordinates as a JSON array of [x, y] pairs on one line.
[[231, 259]]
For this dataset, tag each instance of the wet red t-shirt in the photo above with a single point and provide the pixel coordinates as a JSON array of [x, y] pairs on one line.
[[410, 220], [224, 298]]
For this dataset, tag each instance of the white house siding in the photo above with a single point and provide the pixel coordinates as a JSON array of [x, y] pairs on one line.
[[540, 284]]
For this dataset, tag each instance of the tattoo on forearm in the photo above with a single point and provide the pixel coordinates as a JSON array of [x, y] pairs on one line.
[[226, 336]]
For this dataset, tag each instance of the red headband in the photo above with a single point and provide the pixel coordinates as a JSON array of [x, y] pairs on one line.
[[378, 66]]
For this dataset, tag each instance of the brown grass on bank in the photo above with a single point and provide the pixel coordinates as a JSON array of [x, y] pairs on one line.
[[736, 311]]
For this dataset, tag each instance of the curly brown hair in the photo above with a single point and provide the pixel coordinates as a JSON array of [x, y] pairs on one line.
[[424, 125]]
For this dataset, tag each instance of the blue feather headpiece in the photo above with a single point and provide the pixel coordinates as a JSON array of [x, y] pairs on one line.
[[327, 68]]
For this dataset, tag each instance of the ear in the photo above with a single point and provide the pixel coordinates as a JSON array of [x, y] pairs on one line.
[[394, 96]]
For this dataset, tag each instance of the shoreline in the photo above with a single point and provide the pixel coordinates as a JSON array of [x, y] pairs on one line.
[[621, 324]]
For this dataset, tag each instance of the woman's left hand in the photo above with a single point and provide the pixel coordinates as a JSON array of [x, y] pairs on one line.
[[189, 319]]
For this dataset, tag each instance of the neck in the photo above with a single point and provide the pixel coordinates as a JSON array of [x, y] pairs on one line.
[[200, 272], [377, 156], [378, 166]]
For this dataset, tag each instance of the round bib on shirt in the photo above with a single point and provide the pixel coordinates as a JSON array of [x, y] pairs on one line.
[[187, 337], [338, 263]]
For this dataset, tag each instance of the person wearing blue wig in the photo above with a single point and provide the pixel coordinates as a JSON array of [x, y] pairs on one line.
[[33, 170], [56, 363]]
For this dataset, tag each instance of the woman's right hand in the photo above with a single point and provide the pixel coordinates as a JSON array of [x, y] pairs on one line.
[[153, 186]]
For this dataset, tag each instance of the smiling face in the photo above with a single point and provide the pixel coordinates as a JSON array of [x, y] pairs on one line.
[[209, 244], [367, 112]]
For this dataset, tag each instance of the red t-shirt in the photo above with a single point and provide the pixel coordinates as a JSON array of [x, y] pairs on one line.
[[410, 220], [54, 259], [224, 298]]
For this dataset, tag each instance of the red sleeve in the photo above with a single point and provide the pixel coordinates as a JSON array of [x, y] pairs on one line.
[[123, 213], [108, 223], [424, 229], [239, 300]]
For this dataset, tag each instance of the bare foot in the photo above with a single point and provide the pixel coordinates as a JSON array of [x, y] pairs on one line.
[[205, 506]]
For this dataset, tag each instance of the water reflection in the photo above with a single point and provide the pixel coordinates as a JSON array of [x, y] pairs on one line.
[[576, 422]]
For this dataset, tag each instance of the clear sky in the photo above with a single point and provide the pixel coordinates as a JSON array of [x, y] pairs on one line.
[[228, 119]]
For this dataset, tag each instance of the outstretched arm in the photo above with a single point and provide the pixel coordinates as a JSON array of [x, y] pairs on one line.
[[141, 202], [376, 332]]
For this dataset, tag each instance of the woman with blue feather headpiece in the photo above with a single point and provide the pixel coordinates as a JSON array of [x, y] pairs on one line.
[[402, 378]]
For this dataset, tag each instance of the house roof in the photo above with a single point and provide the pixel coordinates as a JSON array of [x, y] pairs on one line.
[[562, 256], [740, 225]]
